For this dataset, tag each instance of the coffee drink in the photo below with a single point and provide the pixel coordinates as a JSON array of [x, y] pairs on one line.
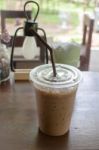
[[55, 97]]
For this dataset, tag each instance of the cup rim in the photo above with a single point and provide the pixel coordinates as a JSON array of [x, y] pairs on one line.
[[33, 77]]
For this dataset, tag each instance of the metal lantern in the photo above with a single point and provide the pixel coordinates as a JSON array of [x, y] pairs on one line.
[[31, 30]]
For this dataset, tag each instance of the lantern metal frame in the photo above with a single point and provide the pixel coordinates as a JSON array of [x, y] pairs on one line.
[[31, 29]]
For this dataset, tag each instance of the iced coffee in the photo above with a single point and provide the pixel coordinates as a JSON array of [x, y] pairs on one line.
[[55, 97]]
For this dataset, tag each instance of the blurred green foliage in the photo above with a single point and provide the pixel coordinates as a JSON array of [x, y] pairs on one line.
[[49, 9], [2, 4]]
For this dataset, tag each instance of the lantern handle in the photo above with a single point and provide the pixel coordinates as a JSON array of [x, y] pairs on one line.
[[12, 51], [36, 12]]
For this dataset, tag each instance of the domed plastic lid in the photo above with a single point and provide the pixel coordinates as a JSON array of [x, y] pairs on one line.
[[67, 76]]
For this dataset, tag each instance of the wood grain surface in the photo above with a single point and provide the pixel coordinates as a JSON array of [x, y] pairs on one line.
[[19, 123]]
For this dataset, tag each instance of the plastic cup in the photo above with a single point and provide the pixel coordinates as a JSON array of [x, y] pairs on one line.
[[55, 96]]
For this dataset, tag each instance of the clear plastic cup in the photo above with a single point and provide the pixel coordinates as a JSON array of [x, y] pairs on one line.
[[55, 96]]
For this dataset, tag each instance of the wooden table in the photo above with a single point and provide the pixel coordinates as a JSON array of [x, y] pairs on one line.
[[19, 124]]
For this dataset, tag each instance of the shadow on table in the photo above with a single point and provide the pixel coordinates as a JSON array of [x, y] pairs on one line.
[[43, 141]]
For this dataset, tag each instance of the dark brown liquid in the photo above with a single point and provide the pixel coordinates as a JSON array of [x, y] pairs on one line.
[[55, 110]]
